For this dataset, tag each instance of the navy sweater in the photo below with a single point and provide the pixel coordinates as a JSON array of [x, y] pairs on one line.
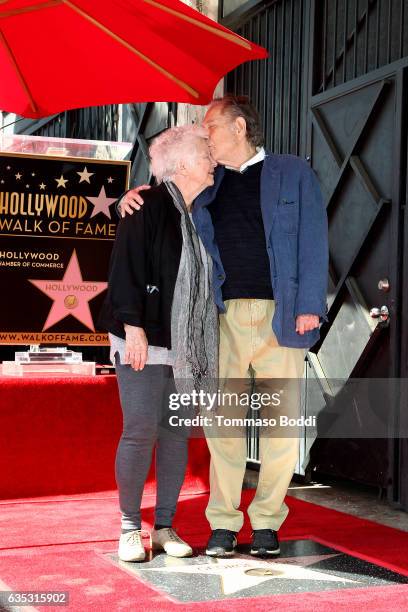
[[239, 233]]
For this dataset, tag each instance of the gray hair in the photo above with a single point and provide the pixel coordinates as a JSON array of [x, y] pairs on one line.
[[174, 146], [240, 106]]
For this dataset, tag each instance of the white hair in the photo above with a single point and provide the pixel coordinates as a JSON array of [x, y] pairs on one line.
[[175, 146]]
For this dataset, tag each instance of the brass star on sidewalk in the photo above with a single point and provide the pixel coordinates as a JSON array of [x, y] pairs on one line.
[[239, 574]]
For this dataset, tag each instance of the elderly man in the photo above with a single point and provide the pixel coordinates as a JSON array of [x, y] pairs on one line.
[[265, 226]]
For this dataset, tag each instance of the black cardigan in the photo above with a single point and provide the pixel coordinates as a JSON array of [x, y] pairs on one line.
[[143, 269]]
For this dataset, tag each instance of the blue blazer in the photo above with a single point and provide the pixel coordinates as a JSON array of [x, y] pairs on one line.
[[295, 224]]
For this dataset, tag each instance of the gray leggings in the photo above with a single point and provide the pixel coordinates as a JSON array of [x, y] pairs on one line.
[[144, 397]]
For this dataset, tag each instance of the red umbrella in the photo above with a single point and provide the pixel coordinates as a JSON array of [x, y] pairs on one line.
[[61, 54]]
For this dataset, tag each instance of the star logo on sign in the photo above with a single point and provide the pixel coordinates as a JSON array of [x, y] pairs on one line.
[[85, 175], [18, 176], [61, 181], [240, 574], [110, 179], [42, 186], [71, 295], [101, 203]]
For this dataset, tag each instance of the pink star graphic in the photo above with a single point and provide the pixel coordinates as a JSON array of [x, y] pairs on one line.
[[70, 295], [101, 203]]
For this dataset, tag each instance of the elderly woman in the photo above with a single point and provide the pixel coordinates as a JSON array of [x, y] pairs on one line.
[[163, 332]]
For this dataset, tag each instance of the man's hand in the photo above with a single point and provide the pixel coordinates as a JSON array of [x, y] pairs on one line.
[[306, 322], [132, 200], [136, 347]]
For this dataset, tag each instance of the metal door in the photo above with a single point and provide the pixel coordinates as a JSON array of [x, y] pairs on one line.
[[337, 66], [357, 149]]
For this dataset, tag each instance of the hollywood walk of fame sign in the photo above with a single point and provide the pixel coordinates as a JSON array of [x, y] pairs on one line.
[[57, 227], [303, 566]]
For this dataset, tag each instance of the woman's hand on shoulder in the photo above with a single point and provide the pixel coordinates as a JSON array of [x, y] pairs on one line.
[[136, 347], [132, 201]]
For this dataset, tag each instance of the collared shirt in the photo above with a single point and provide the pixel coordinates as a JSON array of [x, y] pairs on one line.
[[258, 157]]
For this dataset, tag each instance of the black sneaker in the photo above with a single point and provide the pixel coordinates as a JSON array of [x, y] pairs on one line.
[[265, 543], [221, 543]]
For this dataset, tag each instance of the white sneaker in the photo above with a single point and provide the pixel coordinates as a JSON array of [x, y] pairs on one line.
[[168, 540], [131, 546]]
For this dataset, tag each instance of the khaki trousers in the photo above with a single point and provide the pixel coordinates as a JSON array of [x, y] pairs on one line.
[[250, 358]]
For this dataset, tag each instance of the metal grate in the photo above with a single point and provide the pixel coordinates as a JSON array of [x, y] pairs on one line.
[[275, 85], [354, 37], [93, 123]]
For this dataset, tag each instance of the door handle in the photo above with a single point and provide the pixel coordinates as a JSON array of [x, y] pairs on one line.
[[384, 285]]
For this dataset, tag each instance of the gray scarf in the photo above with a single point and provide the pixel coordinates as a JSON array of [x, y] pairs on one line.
[[194, 319]]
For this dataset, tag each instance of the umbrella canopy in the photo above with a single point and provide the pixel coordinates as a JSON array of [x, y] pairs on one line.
[[57, 55]]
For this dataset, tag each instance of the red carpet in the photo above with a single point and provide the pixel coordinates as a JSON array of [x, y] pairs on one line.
[[59, 543], [59, 436]]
